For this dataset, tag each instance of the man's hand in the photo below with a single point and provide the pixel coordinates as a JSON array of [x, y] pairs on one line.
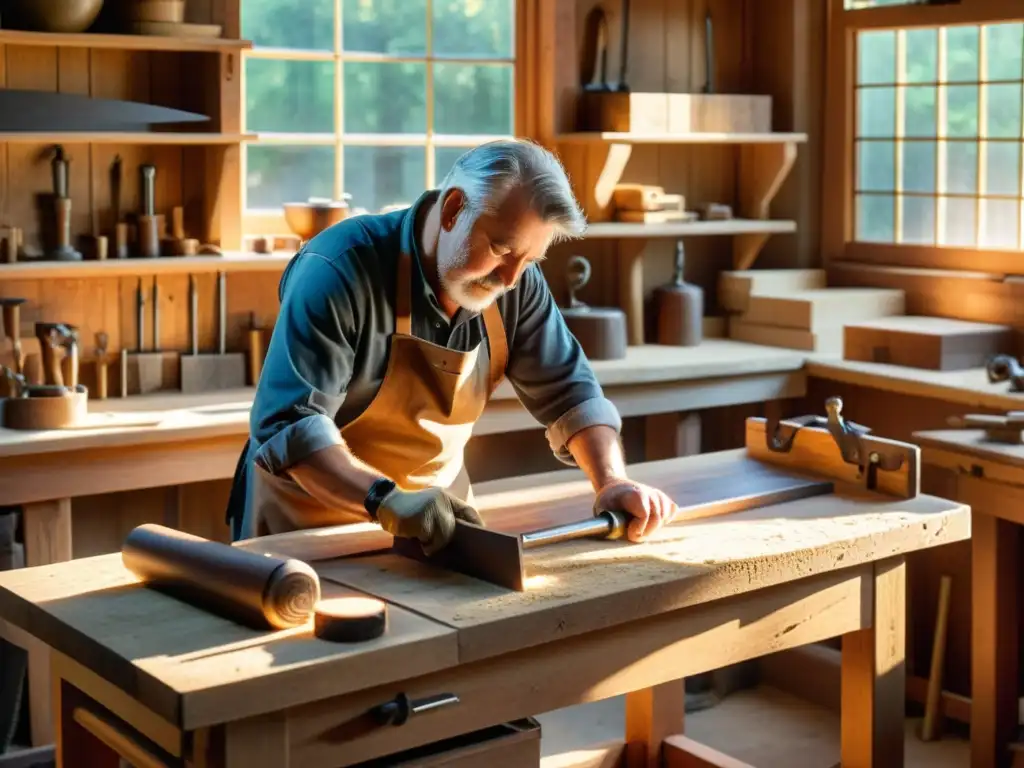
[[649, 507], [428, 515]]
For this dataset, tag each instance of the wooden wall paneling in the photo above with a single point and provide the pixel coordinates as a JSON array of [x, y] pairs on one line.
[[837, 159]]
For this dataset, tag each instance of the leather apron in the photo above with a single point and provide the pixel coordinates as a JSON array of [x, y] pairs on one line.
[[415, 429]]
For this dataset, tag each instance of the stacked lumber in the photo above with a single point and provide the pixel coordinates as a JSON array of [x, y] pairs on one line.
[[933, 343], [798, 311]]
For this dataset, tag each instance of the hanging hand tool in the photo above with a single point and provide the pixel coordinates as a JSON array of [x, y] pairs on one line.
[[594, 63], [149, 230], [209, 372], [147, 366], [709, 54]]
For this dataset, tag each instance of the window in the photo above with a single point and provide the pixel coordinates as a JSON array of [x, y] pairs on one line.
[[856, 5], [370, 98], [938, 136]]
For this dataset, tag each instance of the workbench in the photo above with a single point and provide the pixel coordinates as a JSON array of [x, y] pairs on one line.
[[773, 551], [989, 477]]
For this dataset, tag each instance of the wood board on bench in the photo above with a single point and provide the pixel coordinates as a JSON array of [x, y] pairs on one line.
[[587, 585]]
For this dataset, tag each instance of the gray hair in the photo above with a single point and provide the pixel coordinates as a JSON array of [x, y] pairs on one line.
[[487, 173]]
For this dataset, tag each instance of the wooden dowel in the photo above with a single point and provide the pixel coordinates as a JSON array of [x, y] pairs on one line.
[[929, 726]]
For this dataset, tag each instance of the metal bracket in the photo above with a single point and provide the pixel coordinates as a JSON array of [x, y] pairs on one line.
[[1006, 368], [853, 440]]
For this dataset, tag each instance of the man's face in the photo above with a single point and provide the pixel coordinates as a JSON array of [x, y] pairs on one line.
[[480, 260]]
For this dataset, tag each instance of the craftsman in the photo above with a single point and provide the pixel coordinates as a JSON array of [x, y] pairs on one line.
[[394, 329]]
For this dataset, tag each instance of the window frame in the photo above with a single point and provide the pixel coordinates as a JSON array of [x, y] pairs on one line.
[[259, 222], [839, 141]]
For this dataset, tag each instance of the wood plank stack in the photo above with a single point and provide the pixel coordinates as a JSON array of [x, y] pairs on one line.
[[933, 343], [795, 309]]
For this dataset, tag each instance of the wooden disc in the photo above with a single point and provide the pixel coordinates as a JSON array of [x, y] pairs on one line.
[[350, 619]]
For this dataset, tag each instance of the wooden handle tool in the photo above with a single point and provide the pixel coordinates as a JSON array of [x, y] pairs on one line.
[[606, 524]]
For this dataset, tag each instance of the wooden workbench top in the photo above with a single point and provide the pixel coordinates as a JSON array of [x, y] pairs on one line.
[[195, 669], [970, 388], [174, 417], [971, 442]]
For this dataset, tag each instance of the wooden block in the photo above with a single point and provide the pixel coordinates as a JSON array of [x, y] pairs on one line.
[[827, 341], [933, 343], [675, 113], [719, 113], [637, 197], [735, 287], [823, 308], [814, 450]]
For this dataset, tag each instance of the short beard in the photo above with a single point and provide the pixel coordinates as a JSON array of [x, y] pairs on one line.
[[459, 291]]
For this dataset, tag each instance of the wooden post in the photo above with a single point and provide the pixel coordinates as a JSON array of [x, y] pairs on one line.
[[874, 676], [652, 715]]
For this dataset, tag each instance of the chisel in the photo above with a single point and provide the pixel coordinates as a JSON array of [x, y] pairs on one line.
[[606, 524]]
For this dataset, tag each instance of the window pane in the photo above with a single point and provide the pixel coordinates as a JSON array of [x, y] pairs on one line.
[[1002, 107], [1003, 51], [919, 110], [962, 110], [385, 98], [922, 55], [876, 57], [919, 166], [961, 167], [379, 176], [856, 5], [305, 25], [1001, 218], [289, 96], [384, 26], [474, 28], [876, 112], [962, 54], [876, 166], [444, 159], [275, 175], [875, 218], [472, 99], [1002, 168], [918, 224], [959, 222]]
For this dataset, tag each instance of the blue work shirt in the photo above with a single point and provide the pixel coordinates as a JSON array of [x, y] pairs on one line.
[[329, 349]]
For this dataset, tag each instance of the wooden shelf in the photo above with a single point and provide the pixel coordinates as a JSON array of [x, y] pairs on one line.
[[121, 42], [117, 137], [610, 137], [165, 265], [619, 229]]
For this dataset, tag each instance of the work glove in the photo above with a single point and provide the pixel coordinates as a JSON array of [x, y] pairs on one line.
[[428, 515]]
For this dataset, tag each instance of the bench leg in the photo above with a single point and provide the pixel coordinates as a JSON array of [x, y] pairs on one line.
[[874, 676], [47, 527], [995, 569], [652, 715]]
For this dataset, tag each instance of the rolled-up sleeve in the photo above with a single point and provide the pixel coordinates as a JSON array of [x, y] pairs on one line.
[[549, 371], [308, 365]]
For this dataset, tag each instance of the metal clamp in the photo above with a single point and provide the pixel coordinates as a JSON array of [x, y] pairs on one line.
[[853, 441], [1006, 368], [401, 708]]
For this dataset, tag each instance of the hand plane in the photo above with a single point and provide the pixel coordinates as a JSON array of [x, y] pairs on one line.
[[837, 448]]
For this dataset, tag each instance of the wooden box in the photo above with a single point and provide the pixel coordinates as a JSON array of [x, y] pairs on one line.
[[933, 343], [675, 113], [819, 309], [509, 745]]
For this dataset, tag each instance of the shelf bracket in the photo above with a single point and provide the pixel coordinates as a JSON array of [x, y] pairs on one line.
[[746, 248], [763, 169], [601, 170]]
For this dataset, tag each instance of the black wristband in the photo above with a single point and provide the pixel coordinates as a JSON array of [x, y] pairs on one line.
[[376, 494]]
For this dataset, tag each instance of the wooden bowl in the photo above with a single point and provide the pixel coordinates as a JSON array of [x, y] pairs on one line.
[[46, 408], [311, 218], [69, 16]]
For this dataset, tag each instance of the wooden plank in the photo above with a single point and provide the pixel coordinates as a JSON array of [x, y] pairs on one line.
[[584, 586], [815, 451], [735, 287], [956, 448], [604, 755], [193, 668], [815, 310], [683, 752], [652, 715], [594, 666], [935, 343]]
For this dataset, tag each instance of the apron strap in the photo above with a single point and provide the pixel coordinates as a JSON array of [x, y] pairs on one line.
[[403, 295], [497, 343]]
